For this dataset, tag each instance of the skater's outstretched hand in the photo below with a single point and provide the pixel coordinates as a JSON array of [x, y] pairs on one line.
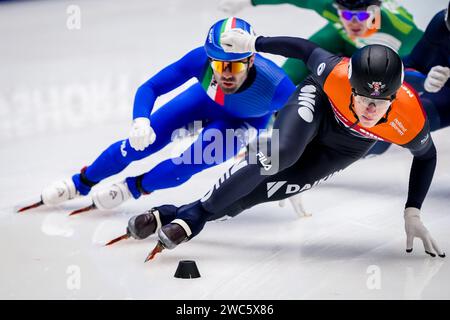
[[238, 41], [141, 134], [415, 228]]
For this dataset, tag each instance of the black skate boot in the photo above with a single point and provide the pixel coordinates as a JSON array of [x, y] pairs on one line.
[[174, 233], [144, 225], [170, 236], [140, 226]]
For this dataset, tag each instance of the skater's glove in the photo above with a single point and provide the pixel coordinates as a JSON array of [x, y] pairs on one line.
[[141, 134], [232, 7], [436, 78], [238, 41], [415, 228], [297, 205]]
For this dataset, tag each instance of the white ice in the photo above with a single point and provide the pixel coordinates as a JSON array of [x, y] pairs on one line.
[[66, 94]]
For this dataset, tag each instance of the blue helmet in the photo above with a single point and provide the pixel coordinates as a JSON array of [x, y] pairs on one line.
[[212, 44]]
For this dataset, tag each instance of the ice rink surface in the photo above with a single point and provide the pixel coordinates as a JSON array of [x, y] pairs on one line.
[[66, 94]]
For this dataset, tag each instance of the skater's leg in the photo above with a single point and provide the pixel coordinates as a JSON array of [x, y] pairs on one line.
[[212, 147], [294, 133], [171, 172], [183, 109], [317, 164]]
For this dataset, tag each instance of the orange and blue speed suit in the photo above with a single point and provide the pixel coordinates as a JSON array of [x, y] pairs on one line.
[[318, 136]]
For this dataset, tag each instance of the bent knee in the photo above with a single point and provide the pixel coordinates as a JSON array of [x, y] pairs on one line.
[[286, 157]]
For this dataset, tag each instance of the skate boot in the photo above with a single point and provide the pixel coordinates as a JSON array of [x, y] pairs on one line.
[[170, 236], [111, 197], [59, 192], [144, 225], [174, 233]]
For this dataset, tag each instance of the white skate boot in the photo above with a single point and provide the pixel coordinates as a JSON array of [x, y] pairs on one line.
[[111, 197], [108, 198], [58, 192]]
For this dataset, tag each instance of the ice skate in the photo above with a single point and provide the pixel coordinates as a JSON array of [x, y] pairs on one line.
[[108, 198], [170, 236], [54, 194], [140, 226]]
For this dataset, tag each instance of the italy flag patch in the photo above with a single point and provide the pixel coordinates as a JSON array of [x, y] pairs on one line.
[[211, 87]]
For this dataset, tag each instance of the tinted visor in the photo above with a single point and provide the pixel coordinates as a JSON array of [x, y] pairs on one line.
[[231, 66]]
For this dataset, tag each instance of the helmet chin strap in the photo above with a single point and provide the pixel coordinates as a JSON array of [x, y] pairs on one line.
[[350, 106]]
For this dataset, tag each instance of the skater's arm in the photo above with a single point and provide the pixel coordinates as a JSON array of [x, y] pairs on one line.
[[169, 78], [423, 166], [238, 41], [320, 62], [290, 47], [421, 175], [422, 171]]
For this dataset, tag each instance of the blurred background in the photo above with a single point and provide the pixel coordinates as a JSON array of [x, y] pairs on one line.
[[57, 76]]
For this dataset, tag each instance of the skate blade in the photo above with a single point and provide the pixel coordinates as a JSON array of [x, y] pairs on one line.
[[21, 208], [159, 247], [85, 209], [122, 237]]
